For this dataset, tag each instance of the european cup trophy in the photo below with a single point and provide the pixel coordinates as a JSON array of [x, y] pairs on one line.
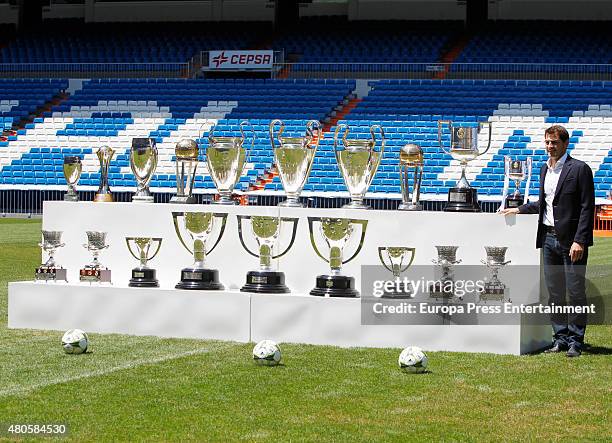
[[194, 231], [105, 155], [397, 260], [336, 232], [72, 173], [226, 158], [358, 161], [50, 270], [411, 158], [463, 148], [95, 271], [143, 162], [186, 151], [146, 249], [494, 289], [294, 157], [266, 231], [517, 171], [445, 286]]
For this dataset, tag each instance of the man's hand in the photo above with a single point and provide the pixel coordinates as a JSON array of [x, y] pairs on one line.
[[576, 252], [508, 211]]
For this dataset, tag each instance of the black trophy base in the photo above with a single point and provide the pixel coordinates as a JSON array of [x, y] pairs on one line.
[[262, 282], [513, 202], [199, 278], [335, 286], [143, 278], [462, 200]]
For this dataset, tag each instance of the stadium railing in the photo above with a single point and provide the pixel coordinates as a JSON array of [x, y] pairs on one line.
[[95, 70]]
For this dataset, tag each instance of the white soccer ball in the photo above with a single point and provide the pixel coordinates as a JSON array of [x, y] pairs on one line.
[[75, 341], [267, 353], [412, 359]]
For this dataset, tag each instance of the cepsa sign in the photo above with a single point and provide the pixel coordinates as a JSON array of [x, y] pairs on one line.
[[238, 60]]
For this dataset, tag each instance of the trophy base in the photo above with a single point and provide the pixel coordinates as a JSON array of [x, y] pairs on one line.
[[142, 198], [184, 199], [462, 200], [444, 290], [199, 278], [46, 273], [104, 198], [493, 292], [271, 282], [143, 278], [225, 202], [335, 286], [355, 205], [410, 207], [514, 202], [94, 275], [291, 204], [71, 198]]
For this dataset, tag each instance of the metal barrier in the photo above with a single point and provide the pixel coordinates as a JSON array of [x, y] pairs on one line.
[[95, 70]]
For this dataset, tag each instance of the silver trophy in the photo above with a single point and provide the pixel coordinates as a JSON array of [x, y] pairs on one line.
[[105, 155], [194, 231], [72, 172], [517, 171], [266, 231], [358, 161], [411, 158], [226, 158], [143, 249], [95, 271], [397, 259], [336, 232], [463, 148], [294, 157], [50, 270], [187, 152], [444, 286], [143, 161], [494, 289]]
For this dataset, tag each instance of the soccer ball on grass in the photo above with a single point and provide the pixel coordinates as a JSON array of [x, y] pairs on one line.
[[267, 353], [75, 341], [412, 359]]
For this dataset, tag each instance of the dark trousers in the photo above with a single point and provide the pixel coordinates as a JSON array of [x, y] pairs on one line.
[[565, 278]]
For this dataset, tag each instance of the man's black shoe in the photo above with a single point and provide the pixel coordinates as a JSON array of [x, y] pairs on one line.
[[557, 347], [573, 351]]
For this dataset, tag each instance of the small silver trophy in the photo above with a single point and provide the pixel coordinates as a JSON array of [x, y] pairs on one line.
[[444, 287], [494, 289], [517, 171], [72, 173], [397, 259], [358, 162], [147, 248], [411, 158], [50, 270], [143, 162], [187, 152], [95, 271]]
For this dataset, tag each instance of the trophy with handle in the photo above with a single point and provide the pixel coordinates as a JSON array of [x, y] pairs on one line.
[[186, 151], [358, 161], [147, 248], [494, 289], [105, 155], [517, 171], [72, 173], [444, 287], [266, 231], [294, 157], [226, 158], [397, 259], [194, 231], [411, 158], [50, 270], [463, 148], [143, 161], [336, 232], [95, 271]]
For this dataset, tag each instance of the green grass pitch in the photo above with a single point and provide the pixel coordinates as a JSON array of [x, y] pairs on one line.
[[152, 389]]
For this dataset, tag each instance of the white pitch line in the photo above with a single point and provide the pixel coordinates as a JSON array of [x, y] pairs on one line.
[[20, 390]]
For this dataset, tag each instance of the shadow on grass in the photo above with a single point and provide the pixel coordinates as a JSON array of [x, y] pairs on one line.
[[596, 350]]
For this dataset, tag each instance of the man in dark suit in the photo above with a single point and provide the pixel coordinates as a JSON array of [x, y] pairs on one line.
[[566, 208]]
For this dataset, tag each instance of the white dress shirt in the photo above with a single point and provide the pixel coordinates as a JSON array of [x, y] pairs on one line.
[[550, 186]]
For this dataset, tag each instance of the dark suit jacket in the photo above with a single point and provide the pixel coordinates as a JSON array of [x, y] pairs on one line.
[[573, 205]]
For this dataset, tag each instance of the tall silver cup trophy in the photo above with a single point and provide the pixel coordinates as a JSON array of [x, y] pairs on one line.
[[105, 155], [294, 157], [358, 161], [50, 270], [95, 271], [186, 152], [494, 289], [226, 158], [72, 173], [517, 171], [444, 287], [143, 161], [411, 159], [463, 148]]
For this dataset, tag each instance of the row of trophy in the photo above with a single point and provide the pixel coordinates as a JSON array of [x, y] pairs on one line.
[[357, 159], [200, 233]]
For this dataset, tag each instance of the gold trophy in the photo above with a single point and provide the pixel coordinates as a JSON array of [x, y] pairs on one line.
[[105, 155], [397, 259], [411, 157], [187, 152]]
